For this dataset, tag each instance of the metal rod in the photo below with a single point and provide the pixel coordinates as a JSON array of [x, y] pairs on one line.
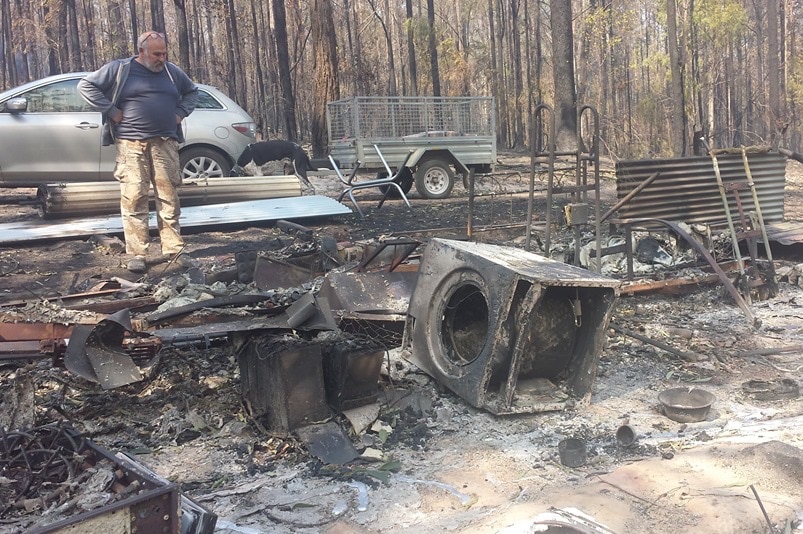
[[663, 346], [593, 157], [763, 511], [639, 188]]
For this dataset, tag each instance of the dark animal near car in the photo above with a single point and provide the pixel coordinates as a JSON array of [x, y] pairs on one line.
[[265, 151]]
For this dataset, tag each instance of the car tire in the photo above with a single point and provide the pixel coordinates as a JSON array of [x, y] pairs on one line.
[[203, 163], [434, 179]]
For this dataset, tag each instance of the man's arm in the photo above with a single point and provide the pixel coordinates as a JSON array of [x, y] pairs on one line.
[[188, 91], [95, 87]]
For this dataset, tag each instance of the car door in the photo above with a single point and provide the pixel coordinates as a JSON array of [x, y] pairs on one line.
[[56, 138]]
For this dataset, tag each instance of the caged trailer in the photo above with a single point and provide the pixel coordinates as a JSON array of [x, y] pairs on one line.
[[444, 137]]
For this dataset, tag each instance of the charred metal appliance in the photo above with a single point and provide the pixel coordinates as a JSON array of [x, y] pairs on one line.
[[351, 366], [282, 382], [506, 329]]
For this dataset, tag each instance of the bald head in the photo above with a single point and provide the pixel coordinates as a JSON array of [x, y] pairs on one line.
[[152, 48]]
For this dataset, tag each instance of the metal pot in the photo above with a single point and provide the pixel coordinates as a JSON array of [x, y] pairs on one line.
[[686, 405]]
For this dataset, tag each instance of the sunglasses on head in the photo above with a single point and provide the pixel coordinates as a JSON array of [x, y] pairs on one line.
[[151, 35]]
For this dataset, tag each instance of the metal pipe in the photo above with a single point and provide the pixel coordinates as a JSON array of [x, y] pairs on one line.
[[593, 156], [663, 346], [630, 195]]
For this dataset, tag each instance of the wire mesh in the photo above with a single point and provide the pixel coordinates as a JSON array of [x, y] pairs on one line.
[[363, 117]]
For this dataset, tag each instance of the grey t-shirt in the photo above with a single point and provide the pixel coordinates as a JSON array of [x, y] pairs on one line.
[[149, 101]]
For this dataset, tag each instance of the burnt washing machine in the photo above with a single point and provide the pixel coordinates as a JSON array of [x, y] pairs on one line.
[[508, 330]]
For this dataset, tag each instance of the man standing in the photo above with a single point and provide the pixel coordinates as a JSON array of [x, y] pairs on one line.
[[143, 100]]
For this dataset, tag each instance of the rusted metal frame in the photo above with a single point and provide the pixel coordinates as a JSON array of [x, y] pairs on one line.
[[763, 228], [726, 207], [33, 331], [409, 246], [154, 510], [538, 152], [671, 286], [140, 350], [749, 235], [589, 157], [737, 296], [33, 350]]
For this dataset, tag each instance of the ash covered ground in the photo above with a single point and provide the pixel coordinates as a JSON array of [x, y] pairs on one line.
[[436, 464]]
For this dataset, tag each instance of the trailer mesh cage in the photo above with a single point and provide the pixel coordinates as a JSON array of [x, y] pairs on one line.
[[363, 116]]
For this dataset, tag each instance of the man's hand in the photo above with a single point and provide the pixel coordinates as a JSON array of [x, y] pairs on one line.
[[178, 119], [117, 117]]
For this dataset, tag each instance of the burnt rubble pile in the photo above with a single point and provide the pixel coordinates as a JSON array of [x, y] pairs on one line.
[[335, 355]]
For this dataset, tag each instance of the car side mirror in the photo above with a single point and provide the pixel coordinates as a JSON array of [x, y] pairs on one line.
[[16, 105]]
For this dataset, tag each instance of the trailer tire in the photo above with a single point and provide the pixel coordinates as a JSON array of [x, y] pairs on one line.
[[434, 179], [405, 181]]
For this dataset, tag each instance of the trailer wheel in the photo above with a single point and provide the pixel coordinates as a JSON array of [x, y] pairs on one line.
[[405, 181], [434, 179]]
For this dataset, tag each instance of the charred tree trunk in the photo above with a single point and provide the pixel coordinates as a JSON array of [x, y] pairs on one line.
[[157, 16], [261, 95], [411, 49], [560, 16], [182, 34], [776, 122], [433, 50], [132, 6], [677, 103], [325, 67], [283, 57]]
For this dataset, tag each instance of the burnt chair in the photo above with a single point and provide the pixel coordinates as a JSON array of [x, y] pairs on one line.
[[386, 184]]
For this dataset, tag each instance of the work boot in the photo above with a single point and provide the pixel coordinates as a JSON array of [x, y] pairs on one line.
[[137, 264]]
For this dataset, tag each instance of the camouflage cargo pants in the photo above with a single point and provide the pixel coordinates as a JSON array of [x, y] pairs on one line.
[[139, 165]]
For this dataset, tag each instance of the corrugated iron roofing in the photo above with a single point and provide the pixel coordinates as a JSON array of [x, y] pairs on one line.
[[212, 215], [785, 233], [686, 188], [99, 198]]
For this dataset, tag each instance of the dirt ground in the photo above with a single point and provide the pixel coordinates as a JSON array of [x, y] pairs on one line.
[[434, 463]]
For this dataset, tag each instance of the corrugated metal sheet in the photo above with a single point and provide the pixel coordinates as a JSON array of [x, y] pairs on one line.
[[686, 189], [197, 216], [100, 198], [785, 233]]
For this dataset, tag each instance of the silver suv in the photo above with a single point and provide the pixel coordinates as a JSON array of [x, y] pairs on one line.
[[49, 134]]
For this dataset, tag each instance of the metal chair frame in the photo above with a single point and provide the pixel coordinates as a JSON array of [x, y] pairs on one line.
[[384, 183]]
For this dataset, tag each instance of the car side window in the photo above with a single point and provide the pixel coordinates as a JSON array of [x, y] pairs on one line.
[[207, 101], [58, 97]]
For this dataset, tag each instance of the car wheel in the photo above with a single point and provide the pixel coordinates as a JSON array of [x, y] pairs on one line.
[[434, 179], [203, 163]]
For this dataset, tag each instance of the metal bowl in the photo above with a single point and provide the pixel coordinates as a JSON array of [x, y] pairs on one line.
[[686, 405]]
